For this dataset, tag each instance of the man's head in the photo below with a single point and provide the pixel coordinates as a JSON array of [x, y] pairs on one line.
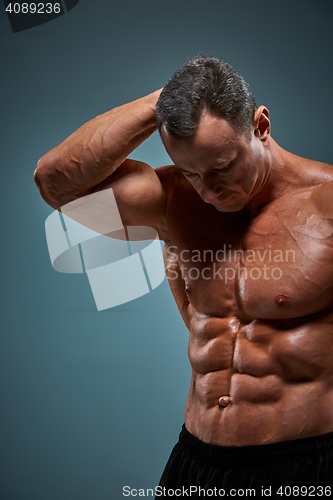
[[214, 133], [205, 83]]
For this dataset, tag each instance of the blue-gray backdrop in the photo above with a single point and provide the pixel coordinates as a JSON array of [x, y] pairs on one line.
[[92, 401]]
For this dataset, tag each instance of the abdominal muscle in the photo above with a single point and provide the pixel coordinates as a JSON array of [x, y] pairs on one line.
[[256, 383]]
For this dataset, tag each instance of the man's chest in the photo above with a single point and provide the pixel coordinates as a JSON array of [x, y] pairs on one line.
[[276, 265]]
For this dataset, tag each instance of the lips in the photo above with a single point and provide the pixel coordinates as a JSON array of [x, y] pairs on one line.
[[220, 199]]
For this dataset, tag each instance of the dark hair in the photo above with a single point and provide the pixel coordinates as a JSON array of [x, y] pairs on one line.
[[205, 83]]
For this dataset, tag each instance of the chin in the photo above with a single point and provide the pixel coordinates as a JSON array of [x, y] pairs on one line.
[[228, 209], [232, 207]]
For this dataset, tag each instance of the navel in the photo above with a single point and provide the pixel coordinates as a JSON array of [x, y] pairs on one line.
[[234, 324], [282, 300], [188, 288], [224, 401]]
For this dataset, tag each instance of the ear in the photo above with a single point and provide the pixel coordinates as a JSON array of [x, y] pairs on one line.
[[262, 123]]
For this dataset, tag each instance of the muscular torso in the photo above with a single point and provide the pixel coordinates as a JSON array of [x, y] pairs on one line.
[[255, 288], [256, 292]]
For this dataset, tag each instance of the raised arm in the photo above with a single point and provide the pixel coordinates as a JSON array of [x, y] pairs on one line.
[[88, 159]]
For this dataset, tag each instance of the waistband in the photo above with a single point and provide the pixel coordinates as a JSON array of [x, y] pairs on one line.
[[236, 455]]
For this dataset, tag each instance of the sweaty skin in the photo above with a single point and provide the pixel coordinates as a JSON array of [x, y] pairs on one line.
[[248, 251]]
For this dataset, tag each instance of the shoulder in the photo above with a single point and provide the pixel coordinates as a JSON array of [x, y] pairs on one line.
[[169, 175], [311, 194], [174, 183], [322, 197], [315, 190]]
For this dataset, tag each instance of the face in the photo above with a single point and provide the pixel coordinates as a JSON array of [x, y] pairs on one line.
[[225, 169]]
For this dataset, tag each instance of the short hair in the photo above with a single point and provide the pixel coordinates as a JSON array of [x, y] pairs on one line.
[[205, 83]]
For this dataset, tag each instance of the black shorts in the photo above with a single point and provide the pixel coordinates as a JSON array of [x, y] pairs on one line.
[[287, 469]]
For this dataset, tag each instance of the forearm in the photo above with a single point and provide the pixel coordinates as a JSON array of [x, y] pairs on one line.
[[94, 151]]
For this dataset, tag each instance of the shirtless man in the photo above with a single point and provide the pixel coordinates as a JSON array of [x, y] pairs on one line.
[[248, 250]]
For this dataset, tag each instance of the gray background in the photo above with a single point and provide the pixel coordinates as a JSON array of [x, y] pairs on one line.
[[92, 401]]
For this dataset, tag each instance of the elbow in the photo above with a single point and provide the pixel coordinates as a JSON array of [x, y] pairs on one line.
[[44, 184], [38, 175]]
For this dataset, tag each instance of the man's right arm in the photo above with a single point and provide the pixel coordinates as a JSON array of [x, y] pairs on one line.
[[87, 161]]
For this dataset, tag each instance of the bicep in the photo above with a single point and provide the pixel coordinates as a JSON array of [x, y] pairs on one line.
[[139, 194]]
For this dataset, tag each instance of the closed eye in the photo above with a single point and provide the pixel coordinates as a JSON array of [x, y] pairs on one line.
[[224, 170], [189, 174]]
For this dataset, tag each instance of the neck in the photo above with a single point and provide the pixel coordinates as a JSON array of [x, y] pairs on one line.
[[275, 181]]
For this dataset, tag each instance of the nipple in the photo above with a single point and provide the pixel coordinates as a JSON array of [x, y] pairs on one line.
[[224, 401], [187, 288], [234, 325], [282, 300]]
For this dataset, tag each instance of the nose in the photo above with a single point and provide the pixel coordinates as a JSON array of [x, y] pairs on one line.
[[210, 189]]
